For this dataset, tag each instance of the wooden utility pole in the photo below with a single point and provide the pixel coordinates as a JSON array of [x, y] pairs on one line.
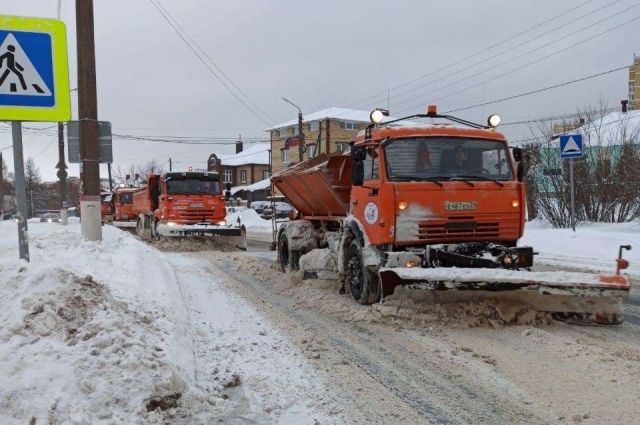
[[88, 115]]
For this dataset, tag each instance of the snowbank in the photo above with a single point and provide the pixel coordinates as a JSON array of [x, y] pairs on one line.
[[250, 219], [92, 332], [593, 247]]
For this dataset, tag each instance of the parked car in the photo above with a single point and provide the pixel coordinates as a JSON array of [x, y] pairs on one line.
[[260, 206], [282, 210], [50, 218]]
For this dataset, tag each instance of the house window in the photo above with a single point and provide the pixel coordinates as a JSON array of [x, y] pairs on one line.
[[277, 133], [265, 174], [314, 126], [285, 155], [311, 150], [243, 176], [346, 125], [228, 176], [342, 146]]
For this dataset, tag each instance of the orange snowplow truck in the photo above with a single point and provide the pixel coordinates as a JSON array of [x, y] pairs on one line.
[[124, 215], [431, 205], [183, 204]]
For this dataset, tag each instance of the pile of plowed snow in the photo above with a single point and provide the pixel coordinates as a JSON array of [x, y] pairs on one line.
[[250, 219], [77, 348]]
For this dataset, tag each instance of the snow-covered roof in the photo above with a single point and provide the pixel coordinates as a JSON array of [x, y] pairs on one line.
[[255, 154], [344, 114], [611, 129], [261, 185]]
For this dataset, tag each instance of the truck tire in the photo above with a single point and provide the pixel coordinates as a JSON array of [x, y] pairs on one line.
[[289, 260], [362, 284]]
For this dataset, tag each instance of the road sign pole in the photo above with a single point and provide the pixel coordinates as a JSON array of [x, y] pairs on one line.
[[88, 111], [573, 196], [21, 191]]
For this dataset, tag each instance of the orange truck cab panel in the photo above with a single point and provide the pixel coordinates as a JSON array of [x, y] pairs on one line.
[[123, 201], [437, 184]]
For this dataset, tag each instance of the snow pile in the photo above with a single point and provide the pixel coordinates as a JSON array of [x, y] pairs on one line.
[[89, 330], [250, 219]]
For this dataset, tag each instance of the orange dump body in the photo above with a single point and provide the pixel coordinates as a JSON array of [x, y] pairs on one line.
[[398, 212], [319, 188]]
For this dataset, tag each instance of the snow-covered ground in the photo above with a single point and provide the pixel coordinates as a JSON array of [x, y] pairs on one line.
[[593, 247], [118, 332]]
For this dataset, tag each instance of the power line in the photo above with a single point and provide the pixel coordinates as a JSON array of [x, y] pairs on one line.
[[503, 52], [205, 55], [474, 54], [557, 117], [204, 62], [229, 141], [522, 66], [566, 83]]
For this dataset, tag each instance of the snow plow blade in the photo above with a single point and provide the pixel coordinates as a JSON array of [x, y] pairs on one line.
[[228, 235], [598, 296]]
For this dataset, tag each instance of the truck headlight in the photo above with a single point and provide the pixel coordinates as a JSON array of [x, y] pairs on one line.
[[494, 120], [171, 223], [222, 223], [402, 205]]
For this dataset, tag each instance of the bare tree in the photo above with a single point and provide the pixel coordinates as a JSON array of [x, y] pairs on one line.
[[33, 181], [143, 171], [607, 187]]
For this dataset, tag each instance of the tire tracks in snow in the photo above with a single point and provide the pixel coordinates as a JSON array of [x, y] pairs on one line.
[[437, 395]]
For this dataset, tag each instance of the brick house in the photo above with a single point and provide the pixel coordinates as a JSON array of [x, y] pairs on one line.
[[325, 131], [245, 167]]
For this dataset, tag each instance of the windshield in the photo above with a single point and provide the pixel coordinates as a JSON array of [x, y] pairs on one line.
[[125, 198], [445, 158], [191, 186]]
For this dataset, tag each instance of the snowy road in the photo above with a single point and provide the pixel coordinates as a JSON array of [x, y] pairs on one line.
[[441, 374], [128, 333]]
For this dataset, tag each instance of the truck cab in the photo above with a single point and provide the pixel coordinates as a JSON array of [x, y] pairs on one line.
[[188, 203], [432, 184]]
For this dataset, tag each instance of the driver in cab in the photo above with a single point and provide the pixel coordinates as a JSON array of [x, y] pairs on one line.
[[456, 164]]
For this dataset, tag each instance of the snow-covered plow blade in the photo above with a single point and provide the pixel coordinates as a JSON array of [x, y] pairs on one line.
[[599, 297], [124, 224], [227, 235]]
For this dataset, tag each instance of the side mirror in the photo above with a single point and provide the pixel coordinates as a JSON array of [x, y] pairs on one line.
[[357, 173], [517, 154]]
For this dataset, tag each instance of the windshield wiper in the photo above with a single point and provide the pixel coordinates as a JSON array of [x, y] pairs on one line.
[[462, 179], [483, 178]]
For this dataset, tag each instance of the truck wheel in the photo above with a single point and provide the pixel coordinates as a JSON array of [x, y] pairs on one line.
[[363, 285], [289, 260]]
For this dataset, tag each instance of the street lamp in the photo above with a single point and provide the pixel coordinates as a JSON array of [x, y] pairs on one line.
[[300, 133]]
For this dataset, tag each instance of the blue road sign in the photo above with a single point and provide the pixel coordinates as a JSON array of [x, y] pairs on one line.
[[26, 77], [571, 146], [34, 76]]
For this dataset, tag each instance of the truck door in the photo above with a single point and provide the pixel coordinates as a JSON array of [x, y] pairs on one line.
[[366, 198]]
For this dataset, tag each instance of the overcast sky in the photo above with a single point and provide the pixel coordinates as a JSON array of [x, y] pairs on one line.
[[331, 53]]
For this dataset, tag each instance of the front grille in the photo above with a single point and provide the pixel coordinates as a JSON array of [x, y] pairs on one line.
[[467, 228], [196, 216]]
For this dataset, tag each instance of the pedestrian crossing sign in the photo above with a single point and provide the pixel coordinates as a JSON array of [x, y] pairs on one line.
[[571, 146], [34, 72]]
